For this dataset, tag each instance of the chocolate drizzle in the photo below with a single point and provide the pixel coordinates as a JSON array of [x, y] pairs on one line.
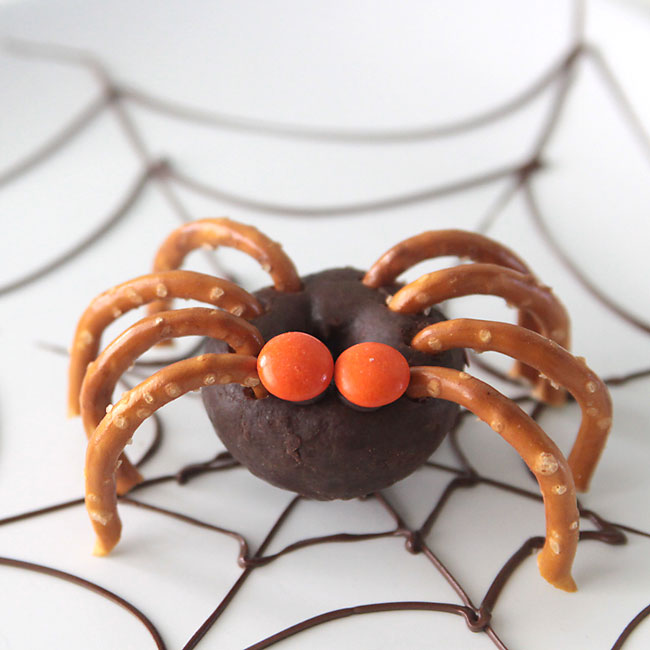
[[90, 586], [167, 177], [477, 618]]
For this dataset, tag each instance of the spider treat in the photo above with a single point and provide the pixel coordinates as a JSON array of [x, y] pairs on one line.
[[338, 384]]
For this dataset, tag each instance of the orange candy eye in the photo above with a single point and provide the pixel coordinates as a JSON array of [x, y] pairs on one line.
[[295, 366], [371, 374]]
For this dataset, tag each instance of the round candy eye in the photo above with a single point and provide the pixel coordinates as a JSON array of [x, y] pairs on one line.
[[371, 374], [295, 366]]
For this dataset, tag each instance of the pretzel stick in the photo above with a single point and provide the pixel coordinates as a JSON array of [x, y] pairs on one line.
[[519, 290], [440, 243], [117, 428], [111, 304], [224, 232], [463, 244], [548, 358], [103, 374], [536, 449], [544, 389]]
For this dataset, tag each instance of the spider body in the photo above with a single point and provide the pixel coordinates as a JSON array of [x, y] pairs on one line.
[[328, 449]]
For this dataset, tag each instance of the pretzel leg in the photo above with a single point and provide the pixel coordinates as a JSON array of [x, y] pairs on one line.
[[544, 390], [224, 232], [536, 449], [549, 359], [111, 304], [119, 425], [463, 244], [440, 243], [103, 374], [519, 290]]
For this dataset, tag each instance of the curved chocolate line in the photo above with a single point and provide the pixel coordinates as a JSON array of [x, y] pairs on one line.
[[90, 586], [478, 619], [630, 627], [466, 612], [82, 246], [57, 142], [572, 267], [347, 209]]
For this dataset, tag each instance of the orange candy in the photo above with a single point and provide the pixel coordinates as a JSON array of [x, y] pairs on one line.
[[371, 374], [295, 366]]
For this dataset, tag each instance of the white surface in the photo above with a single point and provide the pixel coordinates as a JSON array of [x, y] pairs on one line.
[[358, 65]]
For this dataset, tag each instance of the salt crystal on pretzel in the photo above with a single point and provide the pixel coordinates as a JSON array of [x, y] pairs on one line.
[[225, 232], [118, 426], [103, 374], [538, 451], [111, 304], [548, 358]]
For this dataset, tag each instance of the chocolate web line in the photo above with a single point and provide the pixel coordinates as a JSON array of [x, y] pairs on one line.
[[477, 618], [166, 177], [115, 96]]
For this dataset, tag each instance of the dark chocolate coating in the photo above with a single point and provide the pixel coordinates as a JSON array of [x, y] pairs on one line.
[[328, 449]]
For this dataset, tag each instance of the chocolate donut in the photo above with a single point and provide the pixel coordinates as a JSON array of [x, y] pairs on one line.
[[329, 449]]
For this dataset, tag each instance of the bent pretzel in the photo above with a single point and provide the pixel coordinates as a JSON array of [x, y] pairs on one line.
[[537, 450], [118, 426], [103, 373], [560, 366], [440, 243], [111, 304], [465, 245], [522, 291], [225, 232]]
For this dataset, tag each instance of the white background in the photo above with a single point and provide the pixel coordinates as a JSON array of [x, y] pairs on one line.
[[370, 66]]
